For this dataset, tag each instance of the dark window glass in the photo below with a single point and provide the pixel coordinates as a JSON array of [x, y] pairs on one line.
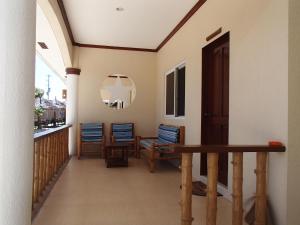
[[170, 94], [180, 103]]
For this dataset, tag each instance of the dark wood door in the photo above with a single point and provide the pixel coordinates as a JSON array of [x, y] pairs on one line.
[[215, 101]]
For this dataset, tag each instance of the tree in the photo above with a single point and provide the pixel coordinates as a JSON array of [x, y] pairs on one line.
[[39, 110], [39, 93]]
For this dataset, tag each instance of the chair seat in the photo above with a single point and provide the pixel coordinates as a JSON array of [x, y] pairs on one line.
[[124, 139], [91, 139], [147, 143]]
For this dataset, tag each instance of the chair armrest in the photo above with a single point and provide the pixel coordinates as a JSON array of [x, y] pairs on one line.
[[162, 145], [147, 137]]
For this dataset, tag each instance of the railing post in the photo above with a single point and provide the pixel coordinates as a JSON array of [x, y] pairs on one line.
[[261, 189], [212, 176], [237, 189], [186, 192]]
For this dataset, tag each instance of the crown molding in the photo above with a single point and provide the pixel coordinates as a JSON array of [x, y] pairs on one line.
[[163, 43], [114, 47]]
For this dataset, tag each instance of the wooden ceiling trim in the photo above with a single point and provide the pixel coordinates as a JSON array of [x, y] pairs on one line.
[[181, 23], [115, 47], [163, 43], [66, 20]]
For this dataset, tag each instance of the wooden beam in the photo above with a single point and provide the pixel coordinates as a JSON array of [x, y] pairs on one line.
[[261, 189], [226, 148], [212, 180], [237, 189], [186, 191]]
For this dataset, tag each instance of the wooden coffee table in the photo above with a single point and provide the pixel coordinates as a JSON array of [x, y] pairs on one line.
[[116, 154]]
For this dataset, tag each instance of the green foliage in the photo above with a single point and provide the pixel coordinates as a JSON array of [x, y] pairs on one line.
[[38, 93], [39, 111]]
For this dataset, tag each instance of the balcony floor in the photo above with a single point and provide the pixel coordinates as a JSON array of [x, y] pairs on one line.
[[88, 193]]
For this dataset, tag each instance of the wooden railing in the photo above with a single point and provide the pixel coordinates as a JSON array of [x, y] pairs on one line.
[[50, 154], [237, 190]]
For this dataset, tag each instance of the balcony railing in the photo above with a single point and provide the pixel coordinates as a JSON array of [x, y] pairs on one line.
[[212, 160], [51, 153]]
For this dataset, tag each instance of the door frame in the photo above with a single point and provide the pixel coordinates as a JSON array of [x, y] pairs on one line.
[[220, 40]]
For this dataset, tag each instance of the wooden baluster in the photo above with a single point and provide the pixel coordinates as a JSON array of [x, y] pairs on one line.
[[42, 164], [186, 192], [261, 187], [55, 153], [237, 189], [38, 155], [212, 176], [45, 163], [52, 156], [35, 166], [60, 150], [67, 144], [40, 167], [48, 160]]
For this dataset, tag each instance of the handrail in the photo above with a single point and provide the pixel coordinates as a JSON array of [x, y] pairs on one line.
[[49, 131], [51, 154], [237, 181], [227, 148]]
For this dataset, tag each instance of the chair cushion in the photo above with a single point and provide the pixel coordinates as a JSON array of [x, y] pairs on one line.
[[88, 139], [91, 132], [147, 143], [124, 139], [168, 134], [123, 131]]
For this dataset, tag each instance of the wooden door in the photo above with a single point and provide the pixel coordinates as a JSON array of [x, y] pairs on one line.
[[215, 102]]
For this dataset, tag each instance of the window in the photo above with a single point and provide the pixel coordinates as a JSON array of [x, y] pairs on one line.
[[175, 92]]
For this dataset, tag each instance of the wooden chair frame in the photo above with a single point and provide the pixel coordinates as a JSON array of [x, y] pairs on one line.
[[133, 143], [81, 144], [151, 152]]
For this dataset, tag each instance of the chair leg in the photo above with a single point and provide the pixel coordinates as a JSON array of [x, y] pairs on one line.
[[152, 161], [138, 151]]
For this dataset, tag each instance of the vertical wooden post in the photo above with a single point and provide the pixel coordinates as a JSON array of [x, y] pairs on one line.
[[48, 160], [186, 190], [34, 174], [40, 166], [212, 176], [261, 189], [237, 189]]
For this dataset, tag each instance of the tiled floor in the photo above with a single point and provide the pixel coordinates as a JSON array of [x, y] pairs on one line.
[[88, 193]]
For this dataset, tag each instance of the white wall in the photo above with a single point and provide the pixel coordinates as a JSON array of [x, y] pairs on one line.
[[258, 82], [294, 114], [96, 65]]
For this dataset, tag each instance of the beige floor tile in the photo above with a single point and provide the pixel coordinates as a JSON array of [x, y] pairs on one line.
[[88, 193]]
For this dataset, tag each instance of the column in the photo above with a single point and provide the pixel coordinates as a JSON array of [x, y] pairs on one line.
[[72, 106], [17, 68]]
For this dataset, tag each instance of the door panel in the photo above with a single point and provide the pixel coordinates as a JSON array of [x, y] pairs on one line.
[[215, 102]]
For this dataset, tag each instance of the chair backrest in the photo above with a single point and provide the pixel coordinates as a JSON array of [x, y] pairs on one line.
[[91, 132], [171, 134], [122, 130]]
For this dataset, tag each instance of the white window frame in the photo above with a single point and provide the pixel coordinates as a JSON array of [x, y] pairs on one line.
[[173, 70]]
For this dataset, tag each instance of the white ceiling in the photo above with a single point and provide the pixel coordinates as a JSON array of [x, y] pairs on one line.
[[142, 24], [52, 55]]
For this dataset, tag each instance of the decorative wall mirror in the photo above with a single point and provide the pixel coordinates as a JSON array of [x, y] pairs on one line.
[[118, 91]]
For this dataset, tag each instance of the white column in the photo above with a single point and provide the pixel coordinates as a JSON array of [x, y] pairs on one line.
[[72, 106], [17, 60]]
